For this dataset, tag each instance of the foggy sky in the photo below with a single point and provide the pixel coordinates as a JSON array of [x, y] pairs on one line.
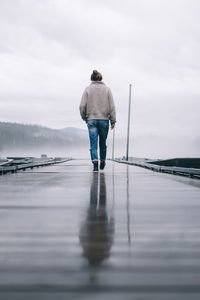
[[49, 48]]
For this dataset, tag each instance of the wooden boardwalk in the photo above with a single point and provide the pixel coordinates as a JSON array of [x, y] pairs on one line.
[[124, 233]]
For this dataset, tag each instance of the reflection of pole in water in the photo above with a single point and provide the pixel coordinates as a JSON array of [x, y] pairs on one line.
[[128, 204]]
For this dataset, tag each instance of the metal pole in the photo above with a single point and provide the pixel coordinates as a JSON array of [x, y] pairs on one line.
[[128, 129], [113, 145]]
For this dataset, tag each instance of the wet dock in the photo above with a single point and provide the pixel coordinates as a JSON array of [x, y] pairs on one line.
[[123, 233]]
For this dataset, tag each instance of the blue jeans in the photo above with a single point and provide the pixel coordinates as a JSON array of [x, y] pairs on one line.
[[98, 128]]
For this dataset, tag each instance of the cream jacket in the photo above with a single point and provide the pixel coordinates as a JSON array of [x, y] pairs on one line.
[[97, 103]]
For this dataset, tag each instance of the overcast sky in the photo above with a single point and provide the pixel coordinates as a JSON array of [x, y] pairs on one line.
[[48, 49]]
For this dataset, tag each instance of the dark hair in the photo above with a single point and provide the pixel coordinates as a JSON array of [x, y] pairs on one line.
[[96, 76]]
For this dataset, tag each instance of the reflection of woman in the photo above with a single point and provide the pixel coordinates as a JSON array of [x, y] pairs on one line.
[[97, 108], [96, 235]]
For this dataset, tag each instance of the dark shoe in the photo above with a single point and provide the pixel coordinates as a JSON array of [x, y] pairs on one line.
[[102, 164], [96, 167]]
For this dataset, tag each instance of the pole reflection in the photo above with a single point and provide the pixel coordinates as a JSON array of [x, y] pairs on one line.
[[128, 205], [96, 234]]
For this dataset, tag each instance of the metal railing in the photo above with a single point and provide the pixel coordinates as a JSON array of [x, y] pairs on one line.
[[24, 166], [190, 172]]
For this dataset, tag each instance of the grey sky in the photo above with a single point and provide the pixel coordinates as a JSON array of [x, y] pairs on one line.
[[49, 48]]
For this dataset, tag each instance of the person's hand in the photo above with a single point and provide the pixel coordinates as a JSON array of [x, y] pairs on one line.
[[112, 126]]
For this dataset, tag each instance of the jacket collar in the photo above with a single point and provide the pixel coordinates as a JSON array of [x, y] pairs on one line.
[[97, 82]]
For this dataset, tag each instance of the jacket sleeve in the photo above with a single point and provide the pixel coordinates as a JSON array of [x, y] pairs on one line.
[[112, 111], [83, 106]]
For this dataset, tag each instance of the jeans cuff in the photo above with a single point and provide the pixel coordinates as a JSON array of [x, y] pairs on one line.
[[95, 160]]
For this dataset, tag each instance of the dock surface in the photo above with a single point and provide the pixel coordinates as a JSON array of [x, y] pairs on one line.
[[123, 233]]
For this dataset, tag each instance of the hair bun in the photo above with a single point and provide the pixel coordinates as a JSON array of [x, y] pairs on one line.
[[96, 76]]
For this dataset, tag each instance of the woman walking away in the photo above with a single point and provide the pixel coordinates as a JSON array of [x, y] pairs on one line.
[[97, 108]]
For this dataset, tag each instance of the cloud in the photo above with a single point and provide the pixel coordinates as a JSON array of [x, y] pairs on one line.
[[49, 48]]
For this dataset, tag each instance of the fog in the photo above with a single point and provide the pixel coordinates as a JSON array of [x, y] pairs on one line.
[[140, 147], [49, 48]]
